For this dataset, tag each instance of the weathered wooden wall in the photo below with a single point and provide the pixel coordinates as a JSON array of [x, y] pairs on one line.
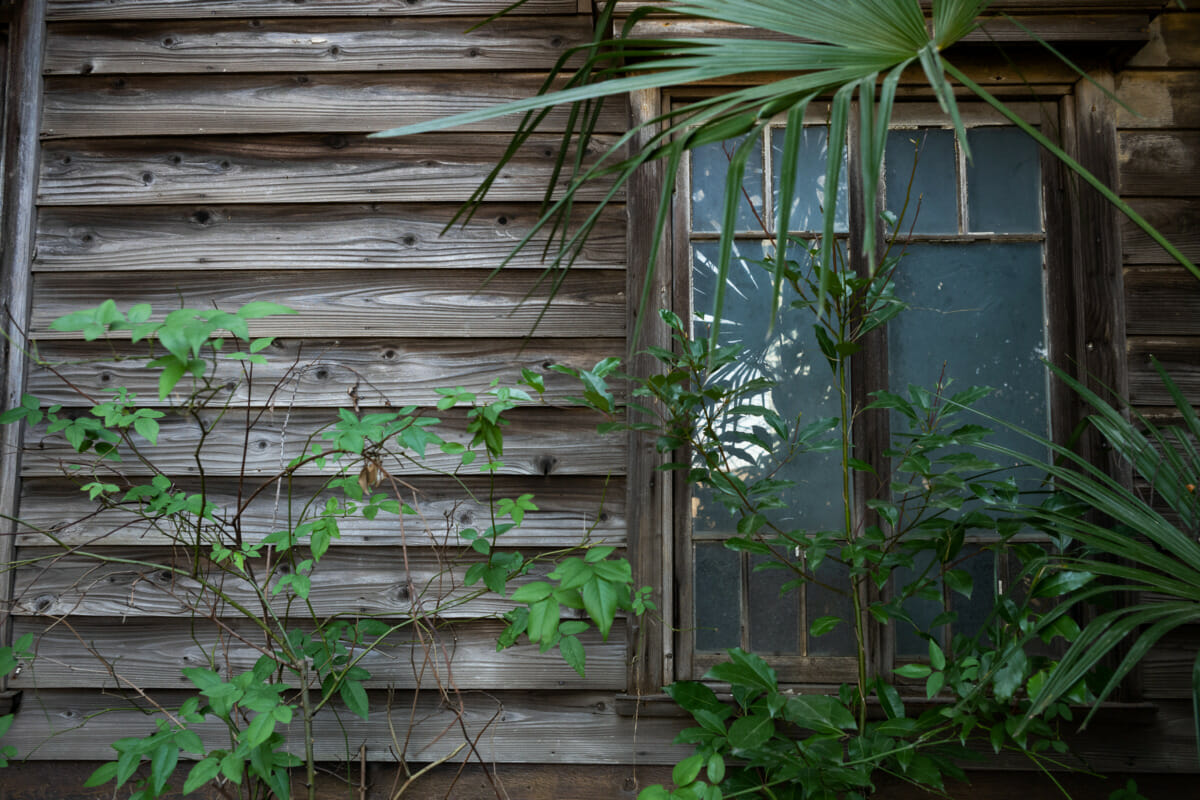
[[214, 153], [1160, 177]]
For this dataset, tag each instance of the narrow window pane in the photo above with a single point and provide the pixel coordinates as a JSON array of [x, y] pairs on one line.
[[804, 387], [1003, 182], [927, 159], [808, 202], [980, 564], [825, 603], [774, 614], [710, 165], [976, 318], [718, 592]]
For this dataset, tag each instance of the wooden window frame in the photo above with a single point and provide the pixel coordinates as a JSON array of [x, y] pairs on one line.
[[1085, 324]]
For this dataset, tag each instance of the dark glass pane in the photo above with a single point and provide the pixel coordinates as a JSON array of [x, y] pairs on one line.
[[977, 319], [718, 592], [922, 610], [774, 615], [808, 201], [927, 159], [1004, 182], [710, 165], [825, 603], [973, 612]]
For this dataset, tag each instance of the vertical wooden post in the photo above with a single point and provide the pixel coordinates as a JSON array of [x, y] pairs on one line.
[[1098, 278], [649, 502], [21, 152]]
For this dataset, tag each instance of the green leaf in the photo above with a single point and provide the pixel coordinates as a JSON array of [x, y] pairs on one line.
[[823, 625], [820, 713], [232, 766], [600, 601], [715, 768], [687, 770], [572, 652], [915, 671], [937, 659], [959, 580], [103, 774], [202, 773], [751, 732], [162, 765], [355, 697]]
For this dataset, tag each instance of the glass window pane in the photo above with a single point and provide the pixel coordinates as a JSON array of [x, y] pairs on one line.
[[788, 355], [774, 615], [808, 202], [927, 159], [718, 592], [710, 165], [1003, 182], [977, 317], [823, 602], [923, 610], [980, 564]]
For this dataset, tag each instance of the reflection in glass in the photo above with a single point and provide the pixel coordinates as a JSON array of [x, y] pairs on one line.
[[808, 202], [710, 164]]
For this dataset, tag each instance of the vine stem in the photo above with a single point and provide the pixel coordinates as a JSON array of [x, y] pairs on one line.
[[310, 764]]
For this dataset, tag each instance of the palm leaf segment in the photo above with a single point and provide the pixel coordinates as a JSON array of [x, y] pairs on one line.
[[840, 48]]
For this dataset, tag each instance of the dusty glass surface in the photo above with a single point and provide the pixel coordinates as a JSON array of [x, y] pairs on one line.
[[927, 158], [1004, 181], [808, 201], [710, 165]]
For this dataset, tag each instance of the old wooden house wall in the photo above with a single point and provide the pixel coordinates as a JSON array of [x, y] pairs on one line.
[[1159, 167], [214, 153], [214, 150]]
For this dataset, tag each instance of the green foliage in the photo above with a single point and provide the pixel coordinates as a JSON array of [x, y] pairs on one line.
[[11, 657], [308, 663]]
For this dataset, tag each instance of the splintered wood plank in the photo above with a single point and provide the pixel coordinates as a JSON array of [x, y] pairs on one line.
[[293, 103], [309, 372], [1174, 42], [158, 582], [1162, 301], [150, 654], [508, 727], [1179, 356], [377, 236], [1159, 99], [1162, 163], [537, 442], [569, 510], [1177, 220], [196, 9], [373, 303], [316, 45], [432, 168]]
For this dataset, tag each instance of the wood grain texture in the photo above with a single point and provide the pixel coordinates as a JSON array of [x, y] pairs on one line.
[[1177, 220], [345, 303], [569, 510], [313, 372], [150, 654], [433, 168], [1160, 163], [312, 45], [299, 237], [1161, 99], [1167, 668], [196, 9], [291, 103], [1162, 300], [512, 727], [1049, 27], [537, 442], [1174, 42], [158, 582], [1008, 6], [1178, 355]]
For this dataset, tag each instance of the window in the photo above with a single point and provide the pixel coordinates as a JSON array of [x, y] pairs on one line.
[[974, 272]]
